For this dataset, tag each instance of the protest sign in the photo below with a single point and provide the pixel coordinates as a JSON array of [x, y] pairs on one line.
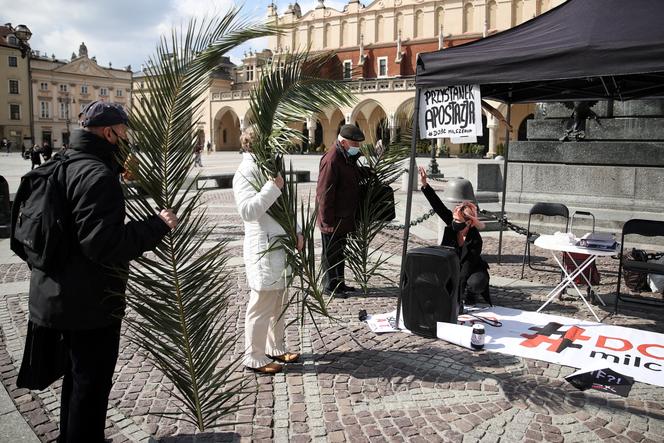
[[451, 111]]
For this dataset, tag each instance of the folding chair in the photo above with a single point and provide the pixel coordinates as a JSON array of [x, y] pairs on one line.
[[648, 228], [547, 210]]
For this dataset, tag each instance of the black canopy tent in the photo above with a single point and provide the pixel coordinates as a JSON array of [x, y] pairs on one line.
[[580, 50]]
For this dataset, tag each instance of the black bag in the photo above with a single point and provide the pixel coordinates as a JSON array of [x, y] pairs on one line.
[[381, 206], [43, 358], [40, 214], [636, 281]]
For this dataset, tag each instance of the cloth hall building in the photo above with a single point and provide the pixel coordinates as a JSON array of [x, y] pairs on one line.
[[375, 47]]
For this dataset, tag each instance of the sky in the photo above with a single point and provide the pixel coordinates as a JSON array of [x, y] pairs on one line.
[[124, 32]]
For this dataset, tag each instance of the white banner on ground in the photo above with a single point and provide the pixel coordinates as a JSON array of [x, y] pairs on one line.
[[451, 111], [576, 343]]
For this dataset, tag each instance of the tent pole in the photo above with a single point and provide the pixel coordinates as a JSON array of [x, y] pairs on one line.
[[412, 169], [506, 161]]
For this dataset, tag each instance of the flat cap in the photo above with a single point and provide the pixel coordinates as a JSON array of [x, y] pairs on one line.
[[351, 132], [100, 113]]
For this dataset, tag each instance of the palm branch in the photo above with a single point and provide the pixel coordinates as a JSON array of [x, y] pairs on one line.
[[292, 90], [180, 295], [386, 165]]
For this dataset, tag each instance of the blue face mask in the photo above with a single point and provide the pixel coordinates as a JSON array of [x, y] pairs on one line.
[[352, 151]]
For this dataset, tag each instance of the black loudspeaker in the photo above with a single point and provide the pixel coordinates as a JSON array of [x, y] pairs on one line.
[[429, 292]]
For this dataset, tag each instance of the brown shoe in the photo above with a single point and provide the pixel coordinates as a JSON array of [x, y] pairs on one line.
[[288, 357], [270, 368]]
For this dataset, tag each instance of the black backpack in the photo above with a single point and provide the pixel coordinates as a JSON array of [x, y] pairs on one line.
[[40, 216]]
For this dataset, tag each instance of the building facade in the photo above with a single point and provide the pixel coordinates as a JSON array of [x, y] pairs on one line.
[[14, 91], [375, 48], [62, 88]]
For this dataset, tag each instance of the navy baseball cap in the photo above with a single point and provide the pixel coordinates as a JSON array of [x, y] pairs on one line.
[[100, 113]]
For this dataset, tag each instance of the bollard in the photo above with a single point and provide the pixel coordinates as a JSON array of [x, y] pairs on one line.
[[5, 208]]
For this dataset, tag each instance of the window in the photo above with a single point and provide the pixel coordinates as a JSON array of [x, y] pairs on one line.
[[250, 73], [118, 92], [14, 112], [64, 110], [382, 66], [44, 110], [12, 61], [103, 92], [12, 40], [419, 24], [43, 86], [380, 28], [348, 69], [64, 87], [13, 86], [468, 18], [344, 34], [84, 89]]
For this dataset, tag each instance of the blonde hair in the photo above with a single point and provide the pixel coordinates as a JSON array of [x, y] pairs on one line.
[[467, 210], [247, 137]]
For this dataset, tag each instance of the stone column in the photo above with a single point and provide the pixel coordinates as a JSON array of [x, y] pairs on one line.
[[311, 128], [392, 124], [492, 125]]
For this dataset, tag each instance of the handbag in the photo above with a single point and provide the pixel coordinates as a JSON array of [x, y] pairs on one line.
[[43, 358]]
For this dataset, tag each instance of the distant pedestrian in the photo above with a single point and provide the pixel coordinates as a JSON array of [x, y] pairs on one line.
[[208, 147], [47, 151], [5, 144], [35, 156], [197, 156]]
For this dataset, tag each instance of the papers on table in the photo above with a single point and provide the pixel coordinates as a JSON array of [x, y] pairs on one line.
[[598, 240]]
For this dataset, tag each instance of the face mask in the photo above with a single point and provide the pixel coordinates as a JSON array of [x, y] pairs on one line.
[[458, 226], [117, 136], [353, 151]]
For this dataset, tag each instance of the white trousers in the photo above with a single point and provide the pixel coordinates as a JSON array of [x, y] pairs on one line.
[[264, 327]]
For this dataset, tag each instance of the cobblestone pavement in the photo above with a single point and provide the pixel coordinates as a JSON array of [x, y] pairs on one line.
[[353, 385]]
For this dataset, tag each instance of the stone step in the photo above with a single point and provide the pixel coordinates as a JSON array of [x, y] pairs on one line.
[[588, 153], [608, 129], [631, 108]]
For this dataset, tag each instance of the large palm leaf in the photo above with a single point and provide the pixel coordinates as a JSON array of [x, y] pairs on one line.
[[386, 166], [178, 293], [290, 90]]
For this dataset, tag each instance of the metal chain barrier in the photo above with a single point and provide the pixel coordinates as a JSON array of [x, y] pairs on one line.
[[417, 221], [507, 224]]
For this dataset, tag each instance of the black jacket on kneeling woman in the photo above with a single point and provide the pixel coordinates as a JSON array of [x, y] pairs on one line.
[[474, 274]]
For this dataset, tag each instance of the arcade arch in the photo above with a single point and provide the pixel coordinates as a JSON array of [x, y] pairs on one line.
[[226, 130]]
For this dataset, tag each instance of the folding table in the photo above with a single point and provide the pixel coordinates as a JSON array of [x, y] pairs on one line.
[[556, 244]]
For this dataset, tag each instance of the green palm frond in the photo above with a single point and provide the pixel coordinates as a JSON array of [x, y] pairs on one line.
[[290, 90], [386, 166], [180, 294]]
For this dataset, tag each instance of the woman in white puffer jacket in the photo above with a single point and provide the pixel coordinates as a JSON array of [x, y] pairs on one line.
[[264, 324]]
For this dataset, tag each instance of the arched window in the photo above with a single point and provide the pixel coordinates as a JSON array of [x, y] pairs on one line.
[[468, 19], [438, 20], [296, 38], [398, 25], [326, 35], [310, 36], [363, 30], [517, 16], [380, 28], [491, 15], [419, 24], [344, 34]]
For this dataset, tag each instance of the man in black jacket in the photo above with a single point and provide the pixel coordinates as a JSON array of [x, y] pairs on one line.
[[84, 297]]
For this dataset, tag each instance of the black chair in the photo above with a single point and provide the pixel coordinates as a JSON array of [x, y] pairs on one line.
[[546, 210], [647, 228]]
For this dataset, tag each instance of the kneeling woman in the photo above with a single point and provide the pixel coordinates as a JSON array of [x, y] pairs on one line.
[[462, 234], [264, 322]]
